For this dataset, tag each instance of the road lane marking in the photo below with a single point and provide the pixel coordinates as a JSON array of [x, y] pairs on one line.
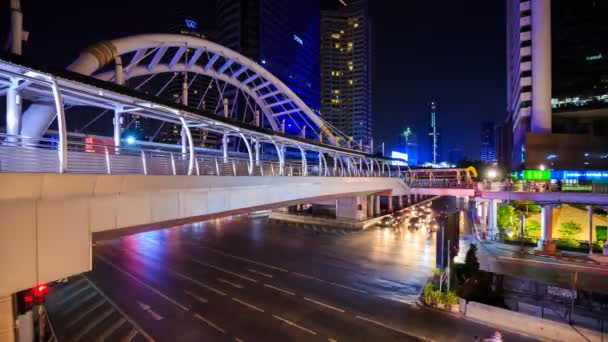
[[246, 260], [251, 306], [131, 336], [260, 273], [305, 276], [195, 296], [238, 275], [323, 304], [209, 323], [347, 287], [222, 280], [82, 314], [149, 310], [279, 289], [98, 319], [198, 283], [149, 287], [294, 325], [111, 329], [136, 327], [391, 328], [327, 282]]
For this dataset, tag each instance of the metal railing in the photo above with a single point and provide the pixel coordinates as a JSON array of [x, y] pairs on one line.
[[19, 154]]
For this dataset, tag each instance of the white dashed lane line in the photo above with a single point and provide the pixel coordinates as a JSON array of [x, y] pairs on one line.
[[251, 306], [279, 289], [294, 324], [228, 282], [324, 305], [260, 273], [209, 323], [221, 269]]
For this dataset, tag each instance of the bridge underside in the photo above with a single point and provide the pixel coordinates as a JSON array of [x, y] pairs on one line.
[[57, 214]]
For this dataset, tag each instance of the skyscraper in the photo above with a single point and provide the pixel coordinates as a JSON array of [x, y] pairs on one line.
[[488, 149], [409, 144], [557, 83], [346, 69], [282, 36], [433, 151]]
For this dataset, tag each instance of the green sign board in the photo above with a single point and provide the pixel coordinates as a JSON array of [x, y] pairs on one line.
[[537, 174]]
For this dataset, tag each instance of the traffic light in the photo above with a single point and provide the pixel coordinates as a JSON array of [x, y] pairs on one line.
[[26, 299], [40, 293]]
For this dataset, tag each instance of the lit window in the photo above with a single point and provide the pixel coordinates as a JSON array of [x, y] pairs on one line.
[[350, 82], [350, 67], [335, 36], [342, 31], [337, 91], [350, 44], [337, 45], [356, 25]]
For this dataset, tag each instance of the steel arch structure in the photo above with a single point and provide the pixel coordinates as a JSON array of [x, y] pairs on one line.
[[153, 54]]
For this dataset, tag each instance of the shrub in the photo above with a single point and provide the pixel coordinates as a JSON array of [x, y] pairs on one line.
[[568, 243], [570, 229], [437, 272], [430, 293], [532, 229], [450, 298]]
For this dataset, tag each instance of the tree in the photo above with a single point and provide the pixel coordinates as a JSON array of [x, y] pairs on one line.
[[532, 229], [505, 216], [570, 229], [470, 261]]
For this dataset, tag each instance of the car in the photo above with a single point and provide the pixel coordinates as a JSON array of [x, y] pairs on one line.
[[386, 222]]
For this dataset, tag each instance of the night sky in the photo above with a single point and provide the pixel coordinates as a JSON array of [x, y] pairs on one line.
[[452, 52]]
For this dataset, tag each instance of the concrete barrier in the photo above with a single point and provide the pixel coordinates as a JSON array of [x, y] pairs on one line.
[[529, 325]]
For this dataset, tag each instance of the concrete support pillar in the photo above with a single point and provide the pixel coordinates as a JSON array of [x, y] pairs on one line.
[[492, 219], [225, 147], [117, 127], [390, 204], [7, 321], [377, 211], [546, 243], [370, 206], [409, 199], [400, 202], [13, 112], [352, 208]]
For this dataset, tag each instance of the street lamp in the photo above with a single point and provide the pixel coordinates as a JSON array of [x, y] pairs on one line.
[[492, 174], [542, 167], [130, 140]]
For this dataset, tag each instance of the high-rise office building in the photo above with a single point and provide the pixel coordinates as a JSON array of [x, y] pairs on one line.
[[282, 36], [557, 84], [408, 141], [346, 69], [433, 148], [488, 144]]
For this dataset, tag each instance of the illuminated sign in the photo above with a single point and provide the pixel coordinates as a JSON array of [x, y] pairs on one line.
[[594, 57], [298, 39], [191, 24], [535, 175], [399, 155]]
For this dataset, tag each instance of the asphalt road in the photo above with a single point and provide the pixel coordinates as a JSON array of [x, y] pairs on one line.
[[247, 279]]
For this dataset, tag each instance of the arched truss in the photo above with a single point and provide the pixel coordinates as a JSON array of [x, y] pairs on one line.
[[152, 54]]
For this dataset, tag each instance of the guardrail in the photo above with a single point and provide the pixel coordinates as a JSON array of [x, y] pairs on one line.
[[18, 154]]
